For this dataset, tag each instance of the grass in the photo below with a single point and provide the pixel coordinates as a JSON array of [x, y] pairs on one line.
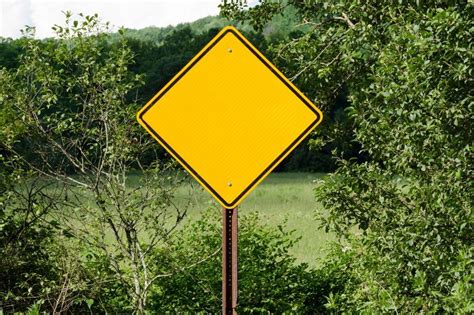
[[280, 197]]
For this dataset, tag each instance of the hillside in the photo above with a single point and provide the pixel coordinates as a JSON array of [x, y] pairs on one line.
[[278, 28]]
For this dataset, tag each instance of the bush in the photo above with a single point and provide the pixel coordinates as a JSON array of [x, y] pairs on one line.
[[270, 280], [407, 68]]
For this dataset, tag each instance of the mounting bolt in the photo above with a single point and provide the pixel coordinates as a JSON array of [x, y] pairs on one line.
[[229, 184], [229, 50]]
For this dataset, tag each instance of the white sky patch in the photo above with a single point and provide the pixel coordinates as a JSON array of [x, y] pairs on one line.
[[43, 14], [14, 15], [252, 3]]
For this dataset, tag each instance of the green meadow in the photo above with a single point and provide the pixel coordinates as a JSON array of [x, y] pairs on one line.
[[281, 199]]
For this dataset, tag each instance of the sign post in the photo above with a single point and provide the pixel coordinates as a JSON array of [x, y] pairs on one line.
[[229, 82], [229, 261]]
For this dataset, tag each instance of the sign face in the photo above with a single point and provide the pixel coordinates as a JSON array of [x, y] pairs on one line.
[[229, 117]]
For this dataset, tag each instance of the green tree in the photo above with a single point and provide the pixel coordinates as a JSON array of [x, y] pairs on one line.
[[10, 51], [407, 67], [70, 98]]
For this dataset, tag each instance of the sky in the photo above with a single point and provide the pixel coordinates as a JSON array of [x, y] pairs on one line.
[[43, 14]]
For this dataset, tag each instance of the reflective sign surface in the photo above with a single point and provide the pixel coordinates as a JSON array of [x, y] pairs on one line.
[[229, 117]]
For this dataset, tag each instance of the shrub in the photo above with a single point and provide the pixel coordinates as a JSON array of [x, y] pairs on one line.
[[270, 279]]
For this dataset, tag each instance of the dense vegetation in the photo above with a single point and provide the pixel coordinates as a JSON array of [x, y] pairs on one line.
[[406, 69], [395, 82]]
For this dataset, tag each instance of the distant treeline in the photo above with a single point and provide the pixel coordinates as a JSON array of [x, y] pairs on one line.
[[159, 53]]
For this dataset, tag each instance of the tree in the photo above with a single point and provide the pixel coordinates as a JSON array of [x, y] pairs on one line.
[[10, 51], [407, 68], [71, 100]]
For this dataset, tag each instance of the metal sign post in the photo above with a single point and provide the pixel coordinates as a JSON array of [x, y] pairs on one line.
[[229, 261]]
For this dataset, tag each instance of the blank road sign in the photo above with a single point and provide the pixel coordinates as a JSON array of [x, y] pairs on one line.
[[229, 117]]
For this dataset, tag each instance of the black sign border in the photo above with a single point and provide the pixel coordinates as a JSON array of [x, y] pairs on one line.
[[272, 164]]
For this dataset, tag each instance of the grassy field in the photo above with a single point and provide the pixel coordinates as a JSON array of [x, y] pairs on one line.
[[280, 197]]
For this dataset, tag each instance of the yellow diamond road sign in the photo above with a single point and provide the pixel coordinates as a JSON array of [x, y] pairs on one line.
[[229, 117]]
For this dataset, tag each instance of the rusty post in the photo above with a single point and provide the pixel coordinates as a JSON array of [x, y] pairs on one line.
[[229, 261]]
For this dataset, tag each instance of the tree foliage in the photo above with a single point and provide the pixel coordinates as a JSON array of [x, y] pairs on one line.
[[78, 233], [71, 101], [407, 68]]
